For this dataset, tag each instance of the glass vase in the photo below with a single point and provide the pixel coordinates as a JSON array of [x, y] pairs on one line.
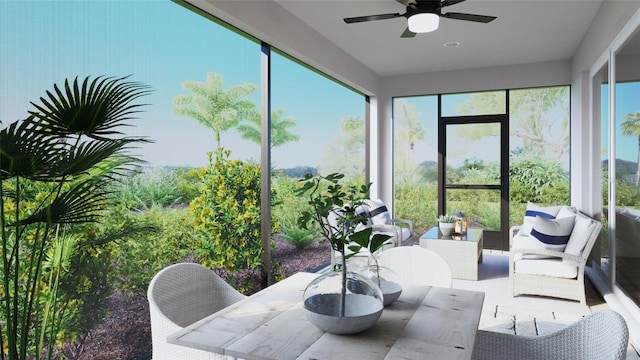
[[343, 302], [387, 280]]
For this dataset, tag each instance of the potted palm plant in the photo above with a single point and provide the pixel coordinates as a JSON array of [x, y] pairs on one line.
[[341, 301], [56, 168]]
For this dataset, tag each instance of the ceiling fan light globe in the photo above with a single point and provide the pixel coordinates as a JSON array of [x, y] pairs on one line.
[[423, 23]]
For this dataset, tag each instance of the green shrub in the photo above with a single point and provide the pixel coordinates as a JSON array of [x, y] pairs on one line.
[[300, 238], [155, 187], [516, 212], [627, 195], [487, 215], [138, 257], [286, 210], [73, 282], [84, 289], [418, 203], [189, 184], [227, 214], [538, 180]]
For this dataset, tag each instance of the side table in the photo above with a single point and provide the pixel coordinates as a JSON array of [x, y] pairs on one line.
[[463, 252]]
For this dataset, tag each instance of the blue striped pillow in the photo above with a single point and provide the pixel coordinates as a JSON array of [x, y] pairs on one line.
[[378, 212], [553, 234], [534, 210]]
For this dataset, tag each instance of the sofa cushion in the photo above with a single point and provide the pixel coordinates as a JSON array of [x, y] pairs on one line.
[[548, 267], [582, 230], [534, 210], [566, 211], [553, 234], [378, 212], [363, 210]]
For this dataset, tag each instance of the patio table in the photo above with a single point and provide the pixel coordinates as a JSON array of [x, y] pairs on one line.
[[425, 322], [463, 252]]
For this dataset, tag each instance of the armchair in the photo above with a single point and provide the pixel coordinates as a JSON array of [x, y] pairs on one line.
[[598, 336], [556, 272], [381, 220], [180, 295]]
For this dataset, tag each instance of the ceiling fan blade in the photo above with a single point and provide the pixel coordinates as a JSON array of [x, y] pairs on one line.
[[358, 19], [469, 17], [408, 34], [451, 2], [409, 2]]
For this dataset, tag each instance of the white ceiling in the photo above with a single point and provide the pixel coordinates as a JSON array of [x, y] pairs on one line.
[[526, 31]]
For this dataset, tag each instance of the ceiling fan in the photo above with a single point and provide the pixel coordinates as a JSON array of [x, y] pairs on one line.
[[423, 16]]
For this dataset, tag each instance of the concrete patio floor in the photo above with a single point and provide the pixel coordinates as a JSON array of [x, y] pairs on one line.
[[525, 315]]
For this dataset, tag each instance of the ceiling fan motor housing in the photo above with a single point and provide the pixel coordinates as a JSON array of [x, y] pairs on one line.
[[423, 6]]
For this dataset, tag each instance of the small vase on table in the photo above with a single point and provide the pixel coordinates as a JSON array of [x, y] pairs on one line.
[[446, 223]]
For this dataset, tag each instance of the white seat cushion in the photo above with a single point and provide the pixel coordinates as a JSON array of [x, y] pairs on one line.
[[549, 267], [527, 242]]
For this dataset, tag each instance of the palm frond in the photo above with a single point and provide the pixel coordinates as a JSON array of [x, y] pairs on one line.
[[58, 255], [119, 234], [27, 150], [94, 109], [85, 156], [82, 202]]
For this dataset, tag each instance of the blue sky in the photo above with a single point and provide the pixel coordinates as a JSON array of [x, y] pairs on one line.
[[627, 102], [161, 44]]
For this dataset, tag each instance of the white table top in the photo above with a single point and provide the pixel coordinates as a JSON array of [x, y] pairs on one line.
[[471, 235], [424, 323]]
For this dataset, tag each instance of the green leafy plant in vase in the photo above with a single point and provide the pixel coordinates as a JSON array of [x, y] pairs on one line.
[[337, 209]]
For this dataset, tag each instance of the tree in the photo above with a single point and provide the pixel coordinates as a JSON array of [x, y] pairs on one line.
[[280, 134], [540, 117], [409, 130], [631, 126], [346, 152], [214, 107]]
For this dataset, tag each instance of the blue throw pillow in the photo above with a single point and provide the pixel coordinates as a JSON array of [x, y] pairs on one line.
[[534, 210], [378, 212], [553, 234]]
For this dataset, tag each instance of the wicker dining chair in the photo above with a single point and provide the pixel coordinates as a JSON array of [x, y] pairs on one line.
[[602, 335], [180, 295], [417, 265]]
